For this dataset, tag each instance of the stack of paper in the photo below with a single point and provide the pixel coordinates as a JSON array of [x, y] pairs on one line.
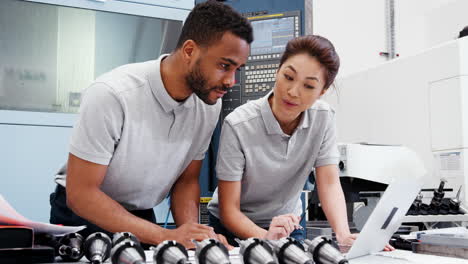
[[9, 216]]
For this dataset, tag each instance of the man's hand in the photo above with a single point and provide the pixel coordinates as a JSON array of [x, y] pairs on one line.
[[281, 226], [188, 231], [223, 240]]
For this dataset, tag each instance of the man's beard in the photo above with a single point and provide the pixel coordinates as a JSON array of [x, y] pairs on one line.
[[197, 83]]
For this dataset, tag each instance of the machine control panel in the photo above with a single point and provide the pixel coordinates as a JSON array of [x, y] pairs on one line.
[[259, 78]]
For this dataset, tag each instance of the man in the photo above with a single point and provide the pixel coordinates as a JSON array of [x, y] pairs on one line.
[[144, 128]]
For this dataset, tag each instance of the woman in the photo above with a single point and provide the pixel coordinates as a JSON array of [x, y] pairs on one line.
[[269, 146]]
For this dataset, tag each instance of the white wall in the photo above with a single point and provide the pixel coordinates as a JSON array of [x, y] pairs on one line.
[[357, 28], [446, 22]]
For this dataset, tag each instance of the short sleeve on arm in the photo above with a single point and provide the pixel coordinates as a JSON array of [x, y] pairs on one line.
[[328, 153], [209, 136], [231, 160], [99, 126]]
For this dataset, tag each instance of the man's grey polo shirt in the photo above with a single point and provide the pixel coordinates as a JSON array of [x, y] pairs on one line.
[[129, 122], [273, 166]]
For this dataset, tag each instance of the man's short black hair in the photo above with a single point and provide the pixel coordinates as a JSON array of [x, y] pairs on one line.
[[208, 21]]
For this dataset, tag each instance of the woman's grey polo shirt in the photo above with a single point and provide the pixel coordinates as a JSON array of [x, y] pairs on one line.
[[271, 165], [129, 122]]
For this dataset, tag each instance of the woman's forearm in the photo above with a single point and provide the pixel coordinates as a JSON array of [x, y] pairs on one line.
[[332, 199], [334, 206], [240, 225]]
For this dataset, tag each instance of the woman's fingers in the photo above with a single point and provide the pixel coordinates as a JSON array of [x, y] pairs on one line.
[[285, 222]]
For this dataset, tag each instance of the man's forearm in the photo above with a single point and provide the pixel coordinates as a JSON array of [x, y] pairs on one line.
[[185, 199], [100, 209]]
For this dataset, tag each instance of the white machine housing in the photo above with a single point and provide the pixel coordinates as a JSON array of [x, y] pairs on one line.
[[372, 162], [419, 101]]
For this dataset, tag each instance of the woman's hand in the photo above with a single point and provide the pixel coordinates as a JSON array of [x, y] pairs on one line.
[[281, 226], [346, 241], [388, 247]]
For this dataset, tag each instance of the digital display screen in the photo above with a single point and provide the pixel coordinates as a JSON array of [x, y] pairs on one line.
[[271, 35]]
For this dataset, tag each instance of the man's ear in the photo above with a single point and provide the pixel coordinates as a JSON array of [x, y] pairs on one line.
[[190, 51]]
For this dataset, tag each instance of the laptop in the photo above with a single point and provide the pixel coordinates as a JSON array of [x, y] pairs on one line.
[[386, 217]]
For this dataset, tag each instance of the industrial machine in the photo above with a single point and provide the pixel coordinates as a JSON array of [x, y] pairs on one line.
[[365, 172], [370, 162], [391, 104], [367, 169], [418, 101]]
